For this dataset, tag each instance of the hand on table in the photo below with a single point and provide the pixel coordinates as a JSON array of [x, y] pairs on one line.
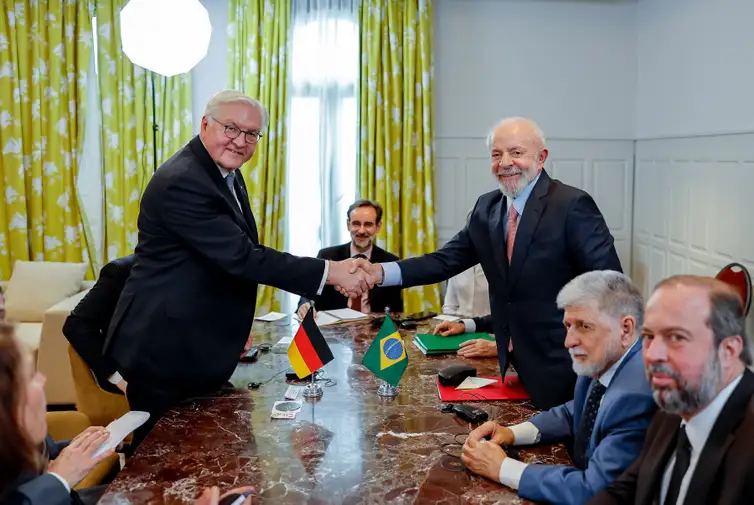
[[301, 312], [483, 458], [349, 278], [76, 460], [449, 328], [494, 432], [212, 496], [478, 348]]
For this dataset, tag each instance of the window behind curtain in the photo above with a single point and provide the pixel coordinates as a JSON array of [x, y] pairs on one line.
[[322, 130]]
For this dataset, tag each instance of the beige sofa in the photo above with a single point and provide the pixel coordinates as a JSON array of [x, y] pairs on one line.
[[32, 287]]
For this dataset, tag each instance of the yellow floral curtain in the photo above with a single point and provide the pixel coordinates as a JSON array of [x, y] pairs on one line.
[[257, 61], [127, 137], [396, 159], [45, 50]]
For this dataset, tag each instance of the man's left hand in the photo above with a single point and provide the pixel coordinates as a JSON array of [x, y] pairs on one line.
[[478, 348], [483, 458], [247, 346]]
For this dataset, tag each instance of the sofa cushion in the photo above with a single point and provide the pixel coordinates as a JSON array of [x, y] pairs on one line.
[[35, 286], [30, 334]]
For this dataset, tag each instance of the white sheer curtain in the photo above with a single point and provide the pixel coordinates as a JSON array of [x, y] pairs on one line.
[[323, 125]]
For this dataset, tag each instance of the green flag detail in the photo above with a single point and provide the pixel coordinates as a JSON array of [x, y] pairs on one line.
[[386, 357]]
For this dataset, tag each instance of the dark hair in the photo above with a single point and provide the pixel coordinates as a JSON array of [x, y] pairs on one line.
[[726, 316], [18, 453], [366, 203]]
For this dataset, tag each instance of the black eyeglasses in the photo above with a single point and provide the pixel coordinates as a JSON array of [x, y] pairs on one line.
[[233, 132]]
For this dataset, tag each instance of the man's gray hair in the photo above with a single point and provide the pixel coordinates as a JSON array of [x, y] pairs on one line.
[[612, 292], [227, 96], [513, 120]]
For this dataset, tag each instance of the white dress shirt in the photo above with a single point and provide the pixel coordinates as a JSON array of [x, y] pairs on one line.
[[698, 429], [527, 433], [468, 294]]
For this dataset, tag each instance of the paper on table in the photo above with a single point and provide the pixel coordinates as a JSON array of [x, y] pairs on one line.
[[282, 345], [324, 318], [271, 316], [120, 428], [475, 383], [445, 317], [347, 314]]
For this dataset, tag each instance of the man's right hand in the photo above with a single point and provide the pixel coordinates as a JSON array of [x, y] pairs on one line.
[[301, 312], [348, 279], [449, 328], [494, 432], [76, 460]]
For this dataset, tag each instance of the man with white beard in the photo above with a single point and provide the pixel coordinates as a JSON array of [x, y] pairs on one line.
[[699, 448], [604, 425], [531, 236]]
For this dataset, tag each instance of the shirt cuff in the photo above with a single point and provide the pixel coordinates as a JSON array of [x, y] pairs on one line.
[[511, 471], [525, 433], [115, 379], [391, 274], [469, 326], [324, 278], [62, 481]]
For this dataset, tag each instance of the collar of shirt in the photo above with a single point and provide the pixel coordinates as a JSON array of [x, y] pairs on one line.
[[607, 377], [699, 427], [367, 253], [520, 201]]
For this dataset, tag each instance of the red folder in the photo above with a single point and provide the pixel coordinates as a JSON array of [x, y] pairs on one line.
[[511, 389]]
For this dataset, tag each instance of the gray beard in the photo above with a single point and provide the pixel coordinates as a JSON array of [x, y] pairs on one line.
[[688, 399]]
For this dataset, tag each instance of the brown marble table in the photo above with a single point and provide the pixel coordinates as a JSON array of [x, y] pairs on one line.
[[348, 447]]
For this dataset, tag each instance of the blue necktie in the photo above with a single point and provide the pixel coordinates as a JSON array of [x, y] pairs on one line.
[[229, 181]]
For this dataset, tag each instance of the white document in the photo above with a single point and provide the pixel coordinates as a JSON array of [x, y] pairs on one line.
[[347, 314], [282, 345], [445, 317], [272, 316], [475, 383], [120, 428], [324, 318]]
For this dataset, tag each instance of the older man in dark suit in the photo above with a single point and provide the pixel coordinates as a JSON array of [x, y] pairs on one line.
[[531, 237], [187, 308], [699, 448], [364, 221]]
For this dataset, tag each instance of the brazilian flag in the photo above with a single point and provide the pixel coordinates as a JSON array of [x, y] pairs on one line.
[[386, 357]]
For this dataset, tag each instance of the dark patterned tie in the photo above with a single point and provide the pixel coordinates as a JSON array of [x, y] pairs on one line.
[[681, 466], [584, 434]]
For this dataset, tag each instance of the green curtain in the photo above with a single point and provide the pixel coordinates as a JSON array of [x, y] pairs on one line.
[[127, 134], [45, 50], [257, 62], [396, 159]]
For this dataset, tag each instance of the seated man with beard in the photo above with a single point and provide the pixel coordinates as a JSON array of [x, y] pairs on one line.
[[700, 445], [604, 425]]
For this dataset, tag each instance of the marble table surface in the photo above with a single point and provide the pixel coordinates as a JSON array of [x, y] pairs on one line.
[[348, 447]]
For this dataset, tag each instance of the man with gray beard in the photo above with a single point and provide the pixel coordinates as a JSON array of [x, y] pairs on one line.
[[604, 425], [699, 448], [531, 236]]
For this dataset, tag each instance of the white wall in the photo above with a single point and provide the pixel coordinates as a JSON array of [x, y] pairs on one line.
[[695, 67], [569, 65], [211, 74]]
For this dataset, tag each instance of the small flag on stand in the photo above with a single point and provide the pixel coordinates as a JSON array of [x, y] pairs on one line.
[[308, 351], [386, 357]]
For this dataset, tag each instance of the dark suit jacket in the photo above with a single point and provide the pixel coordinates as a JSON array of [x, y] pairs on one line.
[[86, 326], [40, 489], [379, 298], [187, 308], [561, 235], [724, 474], [622, 419]]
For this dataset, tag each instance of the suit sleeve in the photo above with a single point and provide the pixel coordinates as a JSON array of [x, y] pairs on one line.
[[590, 243], [44, 490], [559, 484], [484, 324], [86, 326], [191, 214], [451, 259], [556, 424], [303, 299]]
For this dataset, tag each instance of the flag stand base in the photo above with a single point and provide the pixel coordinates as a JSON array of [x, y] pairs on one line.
[[387, 391], [313, 391]]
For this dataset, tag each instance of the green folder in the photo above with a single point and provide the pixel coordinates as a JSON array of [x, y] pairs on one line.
[[435, 344]]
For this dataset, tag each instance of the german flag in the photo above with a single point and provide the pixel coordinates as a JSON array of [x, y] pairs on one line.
[[308, 352]]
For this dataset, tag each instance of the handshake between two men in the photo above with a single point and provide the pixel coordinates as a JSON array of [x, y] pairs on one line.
[[351, 278]]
